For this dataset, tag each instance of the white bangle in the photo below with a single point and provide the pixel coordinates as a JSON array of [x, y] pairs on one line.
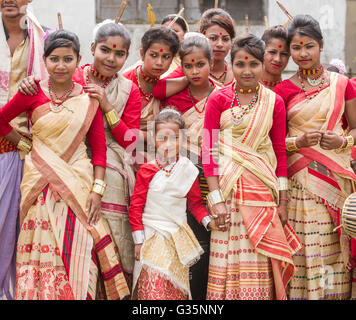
[[283, 183], [215, 197], [138, 236], [205, 222]]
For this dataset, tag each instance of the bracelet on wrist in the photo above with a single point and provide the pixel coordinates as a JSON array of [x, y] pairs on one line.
[[24, 145], [291, 144], [215, 197], [99, 187], [112, 117], [283, 183]]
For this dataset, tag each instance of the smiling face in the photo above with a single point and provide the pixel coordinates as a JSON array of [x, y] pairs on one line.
[[157, 59], [13, 8], [276, 56], [196, 67], [109, 55], [220, 41], [61, 64], [167, 140], [247, 69], [305, 52]]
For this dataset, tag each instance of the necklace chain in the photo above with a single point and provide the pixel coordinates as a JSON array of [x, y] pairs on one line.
[[206, 101], [58, 106], [168, 172], [237, 119]]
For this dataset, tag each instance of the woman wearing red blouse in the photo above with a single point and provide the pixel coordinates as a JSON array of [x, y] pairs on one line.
[[251, 258], [120, 101], [61, 192], [320, 105]]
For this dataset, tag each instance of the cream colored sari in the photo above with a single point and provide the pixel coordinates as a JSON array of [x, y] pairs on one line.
[[57, 257]]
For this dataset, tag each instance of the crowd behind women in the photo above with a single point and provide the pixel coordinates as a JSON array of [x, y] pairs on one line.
[[197, 173]]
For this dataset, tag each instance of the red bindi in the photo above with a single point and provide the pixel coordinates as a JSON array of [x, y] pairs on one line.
[[114, 45], [193, 60], [160, 50], [280, 46], [301, 42], [246, 58], [221, 33]]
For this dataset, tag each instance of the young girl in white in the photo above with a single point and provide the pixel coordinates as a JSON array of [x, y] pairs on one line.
[[165, 246]]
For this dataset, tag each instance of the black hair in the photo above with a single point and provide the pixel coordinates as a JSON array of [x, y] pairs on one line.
[[160, 34], [275, 32], [305, 25], [218, 17], [59, 39], [112, 30], [169, 114], [251, 44], [196, 41], [179, 21]]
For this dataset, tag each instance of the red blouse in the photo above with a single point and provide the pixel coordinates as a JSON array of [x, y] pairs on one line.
[[130, 118], [21, 103], [138, 199], [287, 90], [159, 90], [220, 101], [131, 75]]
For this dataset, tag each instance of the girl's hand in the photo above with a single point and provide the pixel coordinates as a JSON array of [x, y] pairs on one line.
[[283, 212], [331, 141], [138, 251], [93, 208], [309, 139], [219, 213], [99, 94], [28, 86]]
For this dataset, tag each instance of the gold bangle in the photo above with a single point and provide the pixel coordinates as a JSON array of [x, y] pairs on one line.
[[283, 183], [215, 197], [112, 117], [350, 142], [99, 187], [291, 144], [24, 145]]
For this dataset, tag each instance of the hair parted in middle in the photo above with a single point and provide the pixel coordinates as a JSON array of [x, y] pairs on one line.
[[194, 40], [160, 34], [251, 44]]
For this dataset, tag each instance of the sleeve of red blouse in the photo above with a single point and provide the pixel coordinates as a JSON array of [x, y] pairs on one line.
[[211, 134], [195, 202], [17, 105], [126, 132], [177, 73], [159, 90], [96, 137], [138, 197], [278, 136], [350, 92]]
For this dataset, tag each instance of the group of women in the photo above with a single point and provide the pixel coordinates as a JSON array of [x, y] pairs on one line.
[[202, 124]]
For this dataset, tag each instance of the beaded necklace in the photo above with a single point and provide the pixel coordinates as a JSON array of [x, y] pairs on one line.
[[222, 75], [270, 84], [237, 119], [309, 97], [313, 82], [58, 106], [103, 85], [168, 172], [148, 78], [192, 100], [147, 96]]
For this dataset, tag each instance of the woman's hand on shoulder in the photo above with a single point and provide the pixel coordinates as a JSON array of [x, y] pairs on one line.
[[99, 94], [28, 86]]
